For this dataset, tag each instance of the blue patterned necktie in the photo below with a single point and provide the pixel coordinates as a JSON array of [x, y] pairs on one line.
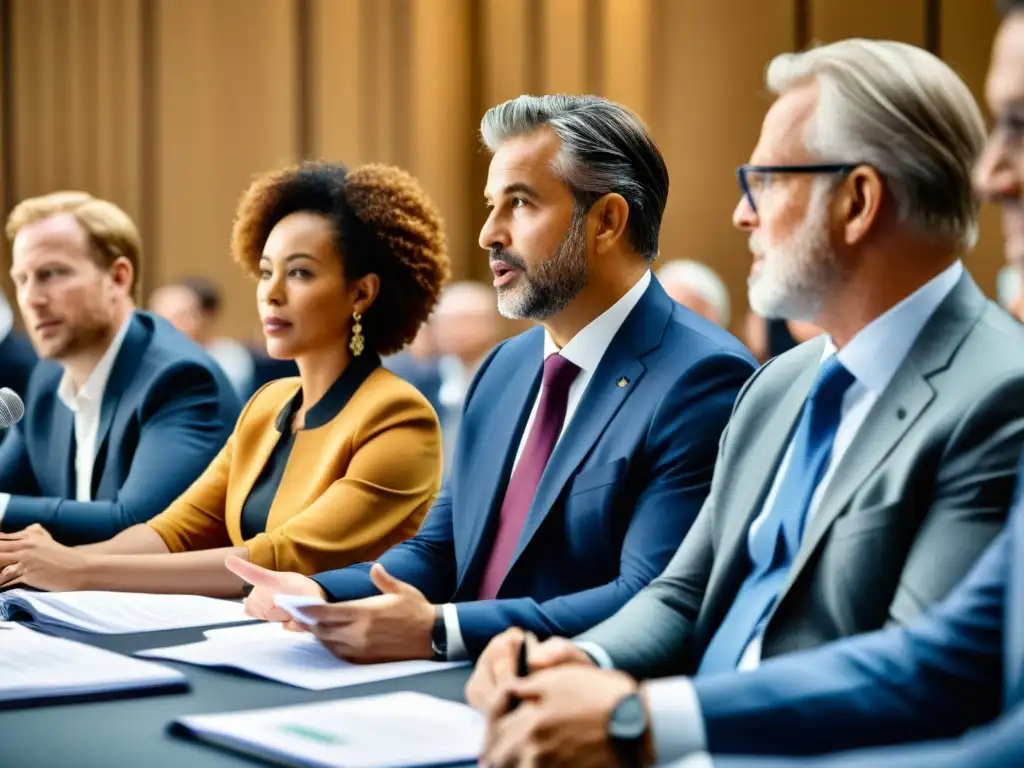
[[774, 545]]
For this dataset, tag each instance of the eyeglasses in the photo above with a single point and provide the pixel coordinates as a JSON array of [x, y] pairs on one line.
[[754, 178]]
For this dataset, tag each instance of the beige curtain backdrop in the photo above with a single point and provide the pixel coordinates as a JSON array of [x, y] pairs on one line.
[[168, 107]]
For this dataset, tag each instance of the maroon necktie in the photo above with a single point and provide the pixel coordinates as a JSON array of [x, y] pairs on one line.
[[559, 374]]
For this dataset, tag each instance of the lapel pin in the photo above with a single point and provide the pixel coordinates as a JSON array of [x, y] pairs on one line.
[[622, 382]]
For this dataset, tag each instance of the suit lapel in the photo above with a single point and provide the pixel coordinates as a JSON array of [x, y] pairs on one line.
[[757, 471], [121, 376], [62, 448], [496, 450], [893, 414], [1014, 611], [621, 364]]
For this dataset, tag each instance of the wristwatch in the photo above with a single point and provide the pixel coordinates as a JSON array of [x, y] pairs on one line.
[[627, 725], [439, 636]]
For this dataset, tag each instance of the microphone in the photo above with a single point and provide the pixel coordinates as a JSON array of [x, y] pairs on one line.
[[11, 408]]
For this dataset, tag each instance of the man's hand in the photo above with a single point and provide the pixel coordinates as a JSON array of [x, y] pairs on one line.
[[394, 626], [497, 665], [32, 558], [266, 583], [562, 719]]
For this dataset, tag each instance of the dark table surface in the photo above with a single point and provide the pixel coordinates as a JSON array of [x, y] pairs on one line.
[[133, 730]]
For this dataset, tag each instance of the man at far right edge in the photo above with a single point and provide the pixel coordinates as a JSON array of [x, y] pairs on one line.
[[861, 474]]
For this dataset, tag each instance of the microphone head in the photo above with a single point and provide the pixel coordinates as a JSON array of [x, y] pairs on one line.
[[11, 408]]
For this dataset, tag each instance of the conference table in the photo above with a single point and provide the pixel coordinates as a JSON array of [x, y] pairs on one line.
[[129, 731]]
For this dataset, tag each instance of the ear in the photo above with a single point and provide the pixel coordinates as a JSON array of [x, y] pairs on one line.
[[611, 212], [364, 292], [123, 274], [861, 203]]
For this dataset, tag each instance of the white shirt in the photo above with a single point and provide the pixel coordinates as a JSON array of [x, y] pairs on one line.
[[585, 350], [873, 357], [86, 405]]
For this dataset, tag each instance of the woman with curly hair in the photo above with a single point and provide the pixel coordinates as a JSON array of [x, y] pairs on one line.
[[321, 471]]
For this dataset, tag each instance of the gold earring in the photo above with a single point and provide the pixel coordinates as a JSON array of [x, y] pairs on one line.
[[358, 342]]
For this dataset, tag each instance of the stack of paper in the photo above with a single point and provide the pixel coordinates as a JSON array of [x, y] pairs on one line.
[[390, 731], [294, 658], [34, 666], [117, 612]]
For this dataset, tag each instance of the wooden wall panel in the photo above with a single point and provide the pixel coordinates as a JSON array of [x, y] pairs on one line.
[[564, 54], [836, 19], [627, 74], [335, 80], [169, 107], [708, 125], [967, 30], [226, 79], [444, 142]]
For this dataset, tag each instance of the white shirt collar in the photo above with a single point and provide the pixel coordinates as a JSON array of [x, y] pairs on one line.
[[874, 354], [587, 347], [97, 382], [6, 318]]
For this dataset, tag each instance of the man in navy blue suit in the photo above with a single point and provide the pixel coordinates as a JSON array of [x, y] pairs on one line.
[[123, 412], [587, 444]]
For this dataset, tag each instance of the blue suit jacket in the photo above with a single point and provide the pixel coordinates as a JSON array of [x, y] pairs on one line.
[[620, 491], [167, 410], [958, 668]]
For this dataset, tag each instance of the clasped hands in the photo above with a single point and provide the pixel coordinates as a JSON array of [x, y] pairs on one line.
[[557, 715]]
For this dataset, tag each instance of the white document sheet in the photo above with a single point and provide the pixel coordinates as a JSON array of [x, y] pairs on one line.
[[34, 666], [294, 604], [293, 658], [395, 730], [112, 613]]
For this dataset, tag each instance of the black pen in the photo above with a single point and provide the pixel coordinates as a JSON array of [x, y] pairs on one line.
[[522, 670]]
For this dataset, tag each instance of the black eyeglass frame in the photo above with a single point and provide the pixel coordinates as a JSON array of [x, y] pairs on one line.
[[829, 168]]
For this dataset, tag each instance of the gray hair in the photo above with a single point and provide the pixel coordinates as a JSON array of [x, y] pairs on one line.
[[704, 281], [902, 111], [605, 148]]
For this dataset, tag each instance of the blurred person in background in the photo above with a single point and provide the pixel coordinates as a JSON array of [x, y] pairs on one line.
[[697, 287], [768, 339], [123, 412], [17, 358], [466, 326], [333, 467], [193, 306], [418, 364]]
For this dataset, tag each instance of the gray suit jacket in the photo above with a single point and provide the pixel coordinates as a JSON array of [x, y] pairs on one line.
[[922, 490]]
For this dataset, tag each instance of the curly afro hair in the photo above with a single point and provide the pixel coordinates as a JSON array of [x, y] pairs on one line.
[[385, 224]]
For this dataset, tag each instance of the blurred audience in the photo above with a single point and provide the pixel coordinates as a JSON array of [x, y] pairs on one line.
[[466, 326], [118, 391], [697, 287], [193, 306], [328, 469], [861, 474], [770, 338], [586, 444]]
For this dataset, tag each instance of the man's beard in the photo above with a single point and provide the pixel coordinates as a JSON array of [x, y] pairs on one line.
[[548, 288], [796, 278]]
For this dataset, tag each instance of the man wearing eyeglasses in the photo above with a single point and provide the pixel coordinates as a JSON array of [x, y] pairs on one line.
[[862, 473]]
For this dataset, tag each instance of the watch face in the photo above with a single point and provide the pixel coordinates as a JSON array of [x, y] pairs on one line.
[[628, 720]]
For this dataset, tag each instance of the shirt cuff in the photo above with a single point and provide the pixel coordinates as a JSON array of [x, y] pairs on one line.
[[676, 720], [5, 499], [598, 654], [456, 646]]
